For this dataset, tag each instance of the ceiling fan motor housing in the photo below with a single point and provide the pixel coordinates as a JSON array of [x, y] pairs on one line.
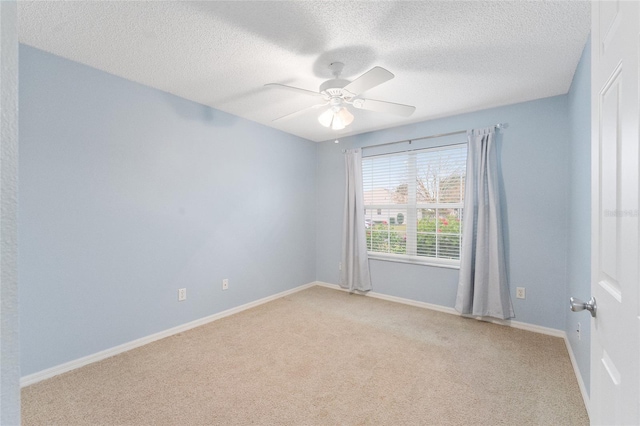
[[334, 88]]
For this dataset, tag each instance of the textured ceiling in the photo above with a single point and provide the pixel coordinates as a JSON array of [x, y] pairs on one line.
[[447, 57]]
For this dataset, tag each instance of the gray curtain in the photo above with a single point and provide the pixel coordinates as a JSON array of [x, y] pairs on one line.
[[482, 287], [355, 262]]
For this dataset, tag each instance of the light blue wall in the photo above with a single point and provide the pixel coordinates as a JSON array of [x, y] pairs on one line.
[[534, 155], [579, 259], [128, 193]]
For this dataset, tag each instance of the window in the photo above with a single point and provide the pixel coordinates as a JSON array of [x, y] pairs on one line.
[[414, 204]]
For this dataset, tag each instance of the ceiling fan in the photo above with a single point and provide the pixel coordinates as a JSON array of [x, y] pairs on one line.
[[339, 94]]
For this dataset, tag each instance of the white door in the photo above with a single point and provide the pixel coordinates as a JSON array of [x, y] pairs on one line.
[[615, 342]]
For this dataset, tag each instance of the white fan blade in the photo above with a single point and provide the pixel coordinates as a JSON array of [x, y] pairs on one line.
[[382, 106], [296, 113], [369, 79], [294, 89]]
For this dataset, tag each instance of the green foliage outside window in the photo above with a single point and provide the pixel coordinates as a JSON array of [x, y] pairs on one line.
[[435, 238], [385, 239]]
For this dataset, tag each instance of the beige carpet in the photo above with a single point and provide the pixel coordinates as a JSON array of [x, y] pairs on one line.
[[323, 357]]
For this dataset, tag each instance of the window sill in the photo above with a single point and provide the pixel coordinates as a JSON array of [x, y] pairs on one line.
[[438, 263]]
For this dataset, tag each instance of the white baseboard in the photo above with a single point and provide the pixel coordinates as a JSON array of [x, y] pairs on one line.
[[576, 371], [404, 301], [510, 323], [80, 362], [449, 310]]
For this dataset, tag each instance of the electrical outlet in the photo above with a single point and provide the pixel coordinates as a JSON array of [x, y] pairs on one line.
[[578, 331], [182, 294], [225, 284], [340, 266], [520, 292]]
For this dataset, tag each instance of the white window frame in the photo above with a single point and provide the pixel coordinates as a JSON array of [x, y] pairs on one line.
[[412, 208]]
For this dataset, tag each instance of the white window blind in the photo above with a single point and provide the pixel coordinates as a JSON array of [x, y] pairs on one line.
[[414, 202]]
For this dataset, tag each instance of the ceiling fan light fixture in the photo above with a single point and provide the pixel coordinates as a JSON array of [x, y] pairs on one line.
[[345, 116], [336, 118], [326, 118], [337, 123]]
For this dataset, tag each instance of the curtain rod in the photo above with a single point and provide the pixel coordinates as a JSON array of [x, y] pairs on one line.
[[458, 132]]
